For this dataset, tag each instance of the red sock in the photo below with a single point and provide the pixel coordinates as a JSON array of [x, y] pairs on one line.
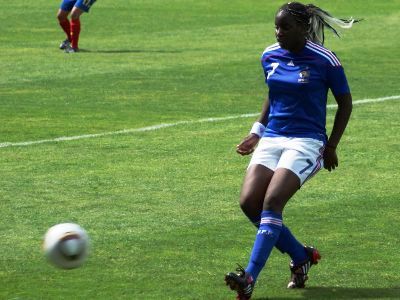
[[75, 30], [66, 27]]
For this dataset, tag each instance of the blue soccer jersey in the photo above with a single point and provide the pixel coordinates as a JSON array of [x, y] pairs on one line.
[[298, 89]]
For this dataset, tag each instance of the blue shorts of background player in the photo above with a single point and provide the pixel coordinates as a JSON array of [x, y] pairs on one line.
[[84, 5]]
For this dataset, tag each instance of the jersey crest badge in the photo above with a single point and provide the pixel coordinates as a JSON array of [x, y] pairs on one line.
[[304, 76]]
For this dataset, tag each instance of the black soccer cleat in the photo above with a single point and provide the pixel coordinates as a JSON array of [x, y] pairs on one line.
[[299, 272], [69, 49], [65, 44], [241, 282]]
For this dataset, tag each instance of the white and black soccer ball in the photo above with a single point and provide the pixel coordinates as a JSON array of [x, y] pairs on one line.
[[66, 245]]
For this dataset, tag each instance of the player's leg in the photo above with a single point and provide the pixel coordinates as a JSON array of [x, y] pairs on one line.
[[287, 243], [79, 8], [282, 187], [256, 181], [258, 176], [304, 158], [75, 28], [253, 191], [62, 16], [251, 201], [291, 172]]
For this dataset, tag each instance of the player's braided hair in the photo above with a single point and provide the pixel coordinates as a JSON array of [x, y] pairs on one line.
[[315, 19]]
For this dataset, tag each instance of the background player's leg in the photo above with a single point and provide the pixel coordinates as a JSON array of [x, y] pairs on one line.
[[62, 17], [75, 26]]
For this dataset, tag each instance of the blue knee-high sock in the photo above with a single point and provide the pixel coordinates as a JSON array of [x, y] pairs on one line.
[[267, 235], [287, 243]]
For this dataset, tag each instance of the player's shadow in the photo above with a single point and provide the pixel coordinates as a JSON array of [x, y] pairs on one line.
[[129, 51], [343, 293]]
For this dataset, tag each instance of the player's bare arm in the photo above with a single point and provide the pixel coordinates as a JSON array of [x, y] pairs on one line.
[[248, 144], [341, 119]]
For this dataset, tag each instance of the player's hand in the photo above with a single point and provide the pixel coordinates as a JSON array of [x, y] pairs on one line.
[[247, 145], [330, 159]]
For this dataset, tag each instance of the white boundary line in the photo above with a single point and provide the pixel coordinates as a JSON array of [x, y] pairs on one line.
[[160, 126]]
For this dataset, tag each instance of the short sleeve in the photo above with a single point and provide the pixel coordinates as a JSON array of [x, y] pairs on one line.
[[264, 65], [337, 80]]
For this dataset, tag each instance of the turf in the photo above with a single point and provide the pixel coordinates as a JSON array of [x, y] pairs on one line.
[[161, 206]]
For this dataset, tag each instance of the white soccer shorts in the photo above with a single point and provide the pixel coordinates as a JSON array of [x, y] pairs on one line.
[[303, 156]]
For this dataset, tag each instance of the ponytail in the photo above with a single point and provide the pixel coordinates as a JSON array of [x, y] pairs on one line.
[[319, 19], [315, 19]]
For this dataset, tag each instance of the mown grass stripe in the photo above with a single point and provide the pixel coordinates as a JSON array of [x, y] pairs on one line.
[[165, 125]]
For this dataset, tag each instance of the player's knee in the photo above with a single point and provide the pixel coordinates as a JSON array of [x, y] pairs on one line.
[[76, 13], [273, 202], [251, 204], [75, 16], [61, 16], [244, 202]]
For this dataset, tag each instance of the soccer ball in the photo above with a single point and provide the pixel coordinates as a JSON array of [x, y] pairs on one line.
[[66, 245]]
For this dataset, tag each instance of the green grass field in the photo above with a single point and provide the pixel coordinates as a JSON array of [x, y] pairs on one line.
[[161, 206]]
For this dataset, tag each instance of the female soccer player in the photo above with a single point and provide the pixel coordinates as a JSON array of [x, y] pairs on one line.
[[72, 29], [291, 136]]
